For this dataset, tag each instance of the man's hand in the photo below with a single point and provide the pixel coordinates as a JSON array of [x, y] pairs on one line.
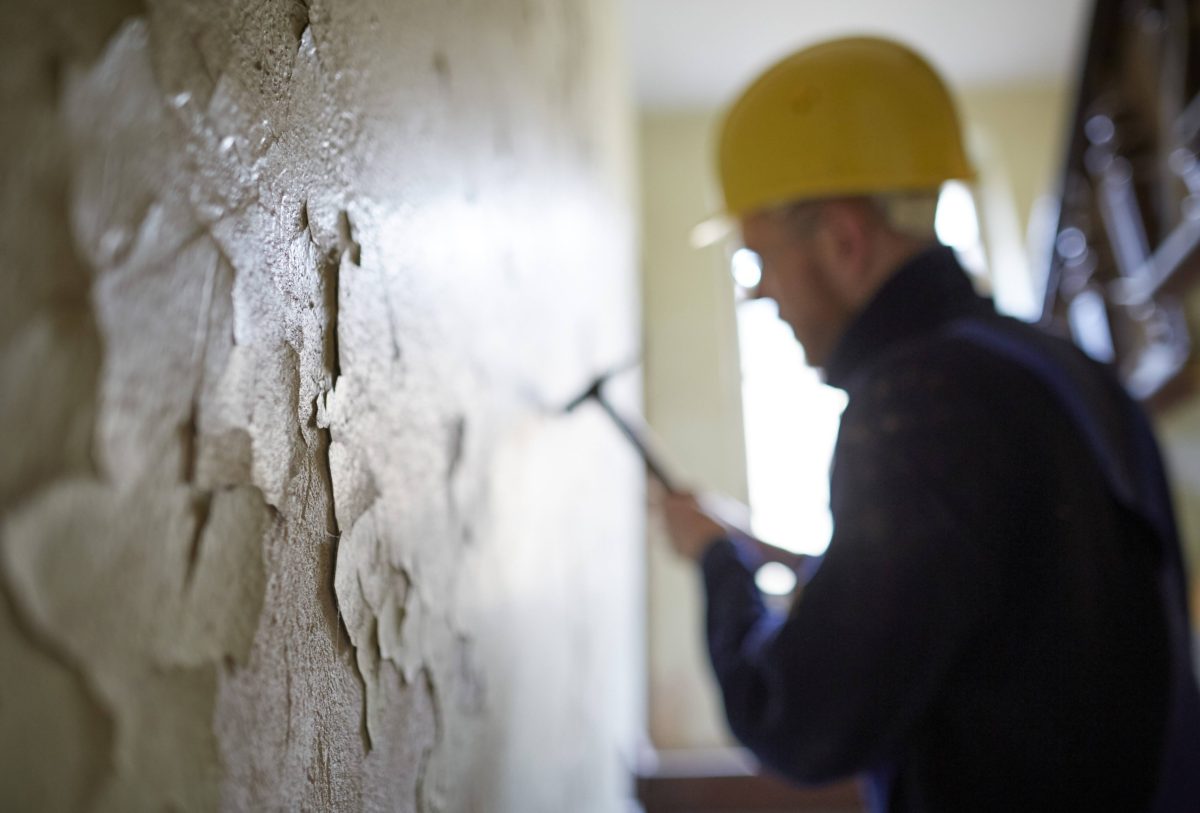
[[690, 527], [693, 523]]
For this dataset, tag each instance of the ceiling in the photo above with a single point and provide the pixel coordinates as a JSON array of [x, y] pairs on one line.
[[697, 54]]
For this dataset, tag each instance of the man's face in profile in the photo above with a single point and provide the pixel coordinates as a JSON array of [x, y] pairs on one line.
[[798, 273]]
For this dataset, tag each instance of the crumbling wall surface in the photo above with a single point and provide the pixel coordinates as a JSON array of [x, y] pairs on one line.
[[292, 292]]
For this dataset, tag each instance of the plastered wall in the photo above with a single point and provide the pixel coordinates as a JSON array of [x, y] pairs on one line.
[[694, 403], [291, 294]]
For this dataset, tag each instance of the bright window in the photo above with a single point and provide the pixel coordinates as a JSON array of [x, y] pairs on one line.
[[791, 425]]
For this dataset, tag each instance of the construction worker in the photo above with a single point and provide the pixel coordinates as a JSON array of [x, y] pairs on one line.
[[1000, 620]]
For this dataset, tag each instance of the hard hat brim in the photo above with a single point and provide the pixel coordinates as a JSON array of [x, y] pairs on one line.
[[712, 230]]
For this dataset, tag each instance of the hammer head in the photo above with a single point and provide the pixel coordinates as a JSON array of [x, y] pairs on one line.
[[591, 392]]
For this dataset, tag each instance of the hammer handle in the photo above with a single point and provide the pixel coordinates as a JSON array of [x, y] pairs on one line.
[[652, 463]]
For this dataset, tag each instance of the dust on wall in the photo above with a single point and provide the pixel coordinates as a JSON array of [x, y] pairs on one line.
[[292, 290]]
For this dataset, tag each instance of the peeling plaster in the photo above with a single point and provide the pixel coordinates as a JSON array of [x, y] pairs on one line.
[[286, 528], [79, 568]]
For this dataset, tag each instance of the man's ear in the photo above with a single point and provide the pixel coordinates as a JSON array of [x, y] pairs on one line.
[[846, 241]]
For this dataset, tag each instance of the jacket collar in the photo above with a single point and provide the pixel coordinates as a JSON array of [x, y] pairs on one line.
[[924, 294]]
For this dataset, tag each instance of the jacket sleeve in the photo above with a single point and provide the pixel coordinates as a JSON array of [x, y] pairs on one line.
[[912, 571]]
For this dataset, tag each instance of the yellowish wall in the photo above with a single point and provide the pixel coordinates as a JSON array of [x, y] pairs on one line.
[[693, 401], [1021, 132], [1017, 136]]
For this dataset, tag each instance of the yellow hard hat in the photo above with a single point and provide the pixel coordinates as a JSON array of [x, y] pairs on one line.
[[851, 116]]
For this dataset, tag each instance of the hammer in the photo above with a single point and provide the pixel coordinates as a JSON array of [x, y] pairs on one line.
[[595, 393], [729, 512]]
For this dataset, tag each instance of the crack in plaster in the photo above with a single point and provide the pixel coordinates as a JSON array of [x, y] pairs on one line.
[[210, 71], [376, 609], [456, 447], [287, 684], [201, 512], [347, 245], [200, 352], [330, 273], [458, 431], [421, 792], [441, 67], [298, 18], [305, 46], [303, 220], [188, 431]]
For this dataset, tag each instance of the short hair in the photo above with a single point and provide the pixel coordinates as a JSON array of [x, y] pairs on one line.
[[911, 214]]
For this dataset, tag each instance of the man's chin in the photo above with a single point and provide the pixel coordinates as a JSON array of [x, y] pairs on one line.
[[811, 359]]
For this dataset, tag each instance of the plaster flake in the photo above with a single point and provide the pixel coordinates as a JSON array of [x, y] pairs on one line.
[[323, 406], [354, 489], [383, 614], [161, 714], [155, 338], [226, 142], [220, 608], [102, 574], [82, 542], [325, 212], [107, 114], [50, 370], [254, 404], [49, 715], [368, 343], [253, 246], [397, 767], [36, 236]]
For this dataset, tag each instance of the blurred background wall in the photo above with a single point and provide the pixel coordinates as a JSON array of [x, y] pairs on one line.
[[293, 292]]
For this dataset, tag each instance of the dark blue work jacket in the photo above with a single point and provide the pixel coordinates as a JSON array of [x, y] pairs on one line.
[[1000, 621]]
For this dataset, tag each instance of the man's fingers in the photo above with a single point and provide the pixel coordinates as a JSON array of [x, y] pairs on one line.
[[672, 501], [679, 499]]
